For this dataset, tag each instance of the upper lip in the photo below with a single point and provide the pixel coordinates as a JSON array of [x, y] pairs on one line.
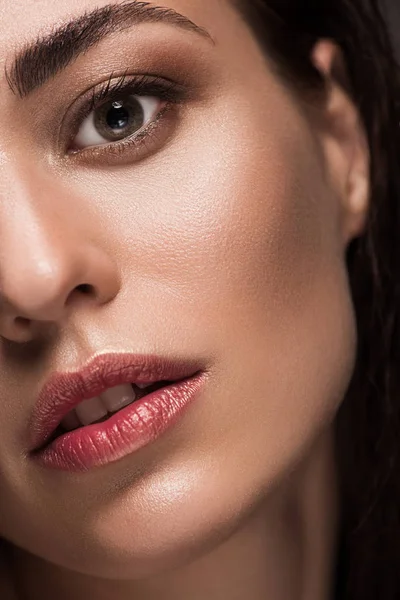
[[63, 391]]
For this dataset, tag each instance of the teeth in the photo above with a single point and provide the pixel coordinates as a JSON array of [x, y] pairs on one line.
[[116, 398], [95, 409], [90, 411]]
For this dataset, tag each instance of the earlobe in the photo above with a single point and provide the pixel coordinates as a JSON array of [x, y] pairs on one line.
[[345, 140]]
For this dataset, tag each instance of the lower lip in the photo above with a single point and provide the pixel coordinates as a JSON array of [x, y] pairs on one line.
[[126, 431]]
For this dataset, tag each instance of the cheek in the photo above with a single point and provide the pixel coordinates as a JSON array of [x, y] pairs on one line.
[[281, 305]]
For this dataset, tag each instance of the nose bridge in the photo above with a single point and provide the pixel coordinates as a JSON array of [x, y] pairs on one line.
[[45, 253]]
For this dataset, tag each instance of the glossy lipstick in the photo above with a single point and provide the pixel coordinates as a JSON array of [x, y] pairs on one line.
[[125, 431]]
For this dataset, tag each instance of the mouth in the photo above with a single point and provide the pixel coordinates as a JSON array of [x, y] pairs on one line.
[[112, 407], [101, 408]]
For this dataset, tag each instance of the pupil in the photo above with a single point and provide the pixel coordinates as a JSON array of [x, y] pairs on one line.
[[117, 119], [118, 116]]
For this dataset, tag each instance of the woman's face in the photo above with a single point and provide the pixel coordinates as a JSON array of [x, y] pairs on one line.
[[217, 234]]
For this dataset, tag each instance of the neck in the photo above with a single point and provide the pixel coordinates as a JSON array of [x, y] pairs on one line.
[[286, 550]]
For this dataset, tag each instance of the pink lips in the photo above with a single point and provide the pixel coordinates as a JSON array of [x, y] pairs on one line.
[[127, 430]]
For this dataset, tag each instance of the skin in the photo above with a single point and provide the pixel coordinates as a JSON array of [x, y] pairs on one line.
[[237, 220]]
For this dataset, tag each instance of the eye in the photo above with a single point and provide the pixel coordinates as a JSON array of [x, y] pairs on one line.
[[122, 120], [122, 117]]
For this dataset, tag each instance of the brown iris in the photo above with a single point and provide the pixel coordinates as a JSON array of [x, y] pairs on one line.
[[118, 119]]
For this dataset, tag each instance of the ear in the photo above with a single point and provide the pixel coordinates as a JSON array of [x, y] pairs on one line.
[[344, 139]]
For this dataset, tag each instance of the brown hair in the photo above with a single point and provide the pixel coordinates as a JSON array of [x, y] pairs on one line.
[[368, 424]]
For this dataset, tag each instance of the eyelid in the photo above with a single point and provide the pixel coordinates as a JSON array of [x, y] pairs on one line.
[[138, 85], [94, 97]]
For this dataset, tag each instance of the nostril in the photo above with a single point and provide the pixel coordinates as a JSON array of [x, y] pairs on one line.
[[22, 323], [85, 288], [20, 331]]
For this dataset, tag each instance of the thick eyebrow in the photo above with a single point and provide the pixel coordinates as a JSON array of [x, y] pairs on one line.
[[41, 60]]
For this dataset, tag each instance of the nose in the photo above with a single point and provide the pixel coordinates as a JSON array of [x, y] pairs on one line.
[[51, 259]]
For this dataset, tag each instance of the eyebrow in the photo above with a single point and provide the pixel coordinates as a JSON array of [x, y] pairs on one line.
[[41, 60]]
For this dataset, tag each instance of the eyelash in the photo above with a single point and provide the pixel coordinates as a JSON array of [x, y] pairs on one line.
[[139, 85]]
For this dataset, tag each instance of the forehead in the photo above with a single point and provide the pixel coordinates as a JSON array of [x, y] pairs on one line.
[[21, 21]]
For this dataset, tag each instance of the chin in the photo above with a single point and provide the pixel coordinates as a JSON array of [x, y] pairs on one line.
[[172, 521]]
